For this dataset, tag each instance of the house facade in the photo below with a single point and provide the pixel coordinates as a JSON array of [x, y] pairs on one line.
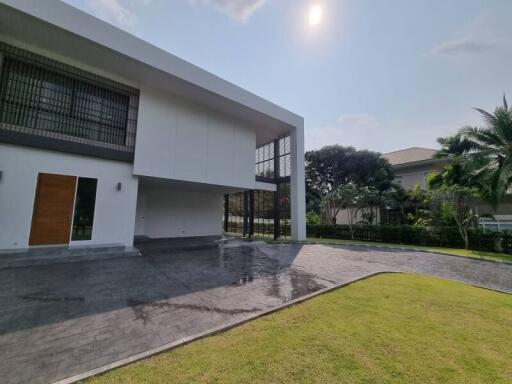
[[104, 137], [413, 165]]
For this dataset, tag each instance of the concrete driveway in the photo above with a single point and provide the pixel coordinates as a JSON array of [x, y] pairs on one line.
[[59, 321]]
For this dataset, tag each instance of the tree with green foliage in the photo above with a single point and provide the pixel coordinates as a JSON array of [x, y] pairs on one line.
[[345, 196], [352, 198], [481, 157], [492, 147], [334, 166], [336, 200], [369, 201], [463, 168], [453, 146], [480, 167], [418, 200], [395, 199], [456, 201], [454, 190]]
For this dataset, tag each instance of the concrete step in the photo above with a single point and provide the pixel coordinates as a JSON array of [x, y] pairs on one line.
[[150, 246], [57, 255]]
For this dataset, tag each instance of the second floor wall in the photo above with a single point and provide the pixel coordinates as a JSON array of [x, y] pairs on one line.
[[177, 139], [409, 177], [51, 102]]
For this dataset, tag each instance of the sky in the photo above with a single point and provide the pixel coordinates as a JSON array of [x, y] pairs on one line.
[[378, 75]]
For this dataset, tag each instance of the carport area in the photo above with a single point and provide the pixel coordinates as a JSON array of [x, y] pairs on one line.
[[61, 320]]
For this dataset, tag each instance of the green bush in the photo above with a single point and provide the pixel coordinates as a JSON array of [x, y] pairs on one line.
[[414, 235], [313, 218]]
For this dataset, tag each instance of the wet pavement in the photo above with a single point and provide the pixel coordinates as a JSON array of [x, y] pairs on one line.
[[60, 320]]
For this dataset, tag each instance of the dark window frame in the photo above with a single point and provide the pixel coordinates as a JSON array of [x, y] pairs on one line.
[[68, 100], [75, 227], [57, 133], [273, 161]]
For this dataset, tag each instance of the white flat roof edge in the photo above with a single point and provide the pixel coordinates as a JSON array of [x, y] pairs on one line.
[[75, 21]]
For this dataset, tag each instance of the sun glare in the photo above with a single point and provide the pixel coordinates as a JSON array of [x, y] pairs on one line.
[[315, 15]]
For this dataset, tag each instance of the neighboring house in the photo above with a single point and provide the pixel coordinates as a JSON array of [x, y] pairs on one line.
[[104, 136], [413, 165]]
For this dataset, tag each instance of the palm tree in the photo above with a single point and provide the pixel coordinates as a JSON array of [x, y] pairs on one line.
[[462, 169], [453, 146], [492, 146]]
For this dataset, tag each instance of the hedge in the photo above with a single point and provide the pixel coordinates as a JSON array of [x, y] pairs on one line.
[[266, 228], [411, 235]]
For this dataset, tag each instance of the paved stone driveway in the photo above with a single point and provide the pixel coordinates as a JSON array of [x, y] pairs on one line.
[[61, 320]]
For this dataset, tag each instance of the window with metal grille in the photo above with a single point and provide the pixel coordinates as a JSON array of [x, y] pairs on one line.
[[267, 155], [36, 97], [265, 160]]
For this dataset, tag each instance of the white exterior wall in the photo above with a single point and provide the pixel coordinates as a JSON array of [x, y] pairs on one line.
[[343, 216], [114, 212], [409, 177], [182, 141], [298, 185], [410, 180], [169, 212]]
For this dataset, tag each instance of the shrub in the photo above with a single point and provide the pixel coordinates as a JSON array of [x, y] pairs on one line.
[[415, 235], [313, 218]]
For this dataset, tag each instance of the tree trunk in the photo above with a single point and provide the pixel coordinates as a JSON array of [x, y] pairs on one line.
[[463, 233], [351, 227], [466, 238], [351, 215]]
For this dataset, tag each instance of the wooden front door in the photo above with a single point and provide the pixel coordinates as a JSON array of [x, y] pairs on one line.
[[53, 209]]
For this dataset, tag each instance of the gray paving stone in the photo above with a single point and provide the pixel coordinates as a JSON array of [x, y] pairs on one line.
[[60, 320]]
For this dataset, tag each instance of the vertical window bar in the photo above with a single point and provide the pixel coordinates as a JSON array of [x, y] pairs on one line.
[[55, 101], [2, 81], [72, 104], [38, 78], [17, 99]]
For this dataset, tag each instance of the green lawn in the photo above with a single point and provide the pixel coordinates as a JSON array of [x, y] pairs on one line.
[[450, 251], [391, 328]]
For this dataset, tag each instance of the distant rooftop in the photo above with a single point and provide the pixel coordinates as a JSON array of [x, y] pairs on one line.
[[409, 155]]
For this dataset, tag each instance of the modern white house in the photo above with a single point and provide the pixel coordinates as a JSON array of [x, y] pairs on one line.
[[104, 137]]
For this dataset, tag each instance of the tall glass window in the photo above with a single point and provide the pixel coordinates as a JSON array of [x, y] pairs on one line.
[[85, 201]]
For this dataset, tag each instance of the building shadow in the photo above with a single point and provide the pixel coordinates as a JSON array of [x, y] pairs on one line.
[[42, 295]]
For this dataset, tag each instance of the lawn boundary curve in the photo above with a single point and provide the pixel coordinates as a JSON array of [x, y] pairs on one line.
[[232, 324], [209, 332]]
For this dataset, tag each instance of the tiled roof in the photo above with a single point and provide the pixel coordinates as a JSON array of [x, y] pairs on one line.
[[409, 155]]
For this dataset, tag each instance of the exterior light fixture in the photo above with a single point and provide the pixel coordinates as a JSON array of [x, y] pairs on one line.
[[119, 185]]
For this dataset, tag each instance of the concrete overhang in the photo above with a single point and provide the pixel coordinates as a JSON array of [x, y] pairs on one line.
[[157, 182], [65, 31]]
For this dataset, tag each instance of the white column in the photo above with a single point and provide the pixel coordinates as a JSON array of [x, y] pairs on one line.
[[298, 187]]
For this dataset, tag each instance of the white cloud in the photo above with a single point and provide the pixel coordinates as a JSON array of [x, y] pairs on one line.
[[121, 12], [462, 46], [240, 10], [475, 37]]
